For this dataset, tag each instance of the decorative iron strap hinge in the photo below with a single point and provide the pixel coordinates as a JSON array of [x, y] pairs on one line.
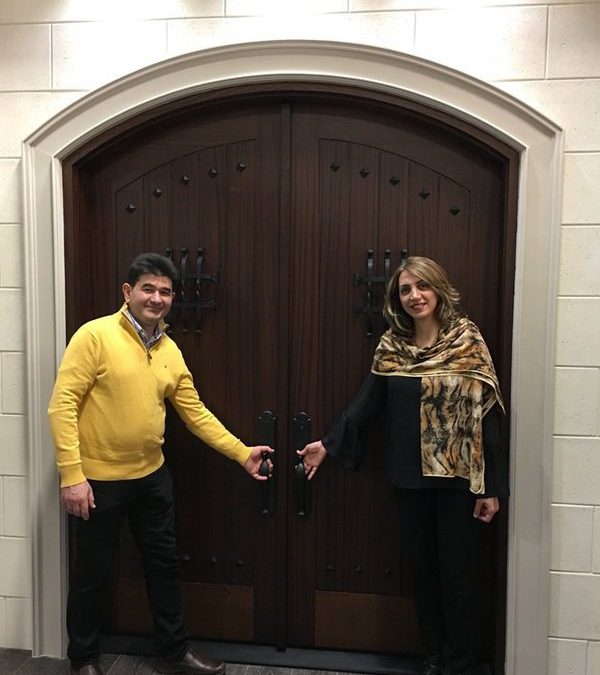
[[189, 304], [370, 308]]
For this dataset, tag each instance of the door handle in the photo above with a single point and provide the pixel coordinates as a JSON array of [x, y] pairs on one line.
[[301, 436], [266, 436]]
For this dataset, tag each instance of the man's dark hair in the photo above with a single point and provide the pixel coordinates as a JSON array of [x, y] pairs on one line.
[[151, 263]]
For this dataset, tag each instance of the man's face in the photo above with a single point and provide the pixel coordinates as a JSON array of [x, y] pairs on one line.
[[149, 300]]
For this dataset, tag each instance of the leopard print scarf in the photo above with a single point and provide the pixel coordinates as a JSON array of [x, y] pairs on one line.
[[458, 388]]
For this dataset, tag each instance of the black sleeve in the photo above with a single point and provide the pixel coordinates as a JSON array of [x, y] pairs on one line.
[[346, 441], [496, 460]]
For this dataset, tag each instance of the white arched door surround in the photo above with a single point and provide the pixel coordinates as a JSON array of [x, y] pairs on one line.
[[539, 143]]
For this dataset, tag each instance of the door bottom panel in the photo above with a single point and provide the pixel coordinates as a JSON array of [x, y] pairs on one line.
[[213, 611], [368, 622]]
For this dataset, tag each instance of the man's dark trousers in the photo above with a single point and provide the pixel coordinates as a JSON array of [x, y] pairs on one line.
[[148, 504]]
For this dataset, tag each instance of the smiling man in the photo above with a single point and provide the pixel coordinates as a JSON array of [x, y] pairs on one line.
[[107, 415]]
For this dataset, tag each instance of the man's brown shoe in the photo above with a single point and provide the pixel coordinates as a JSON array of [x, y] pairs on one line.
[[87, 669], [193, 663]]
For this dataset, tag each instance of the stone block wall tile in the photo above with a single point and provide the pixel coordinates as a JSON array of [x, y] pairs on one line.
[[566, 657], [10, 191], [13, 458], [572, 104], [15, 580], [2, 621], [572, 528], [580, 260], [577, 401], [27, 111], [574, 602], [576, 471], [34, 11], [24, 57], [12, 383], [195, 34], [593, 658], [16, 506], [581, 197], [490, 43], [270, 8], [1, 508], [384, 5], [578, 332], [11, 256], [86, 55], [19, 626], [573, 45], [392, 31], [11, 305], [596, 540]]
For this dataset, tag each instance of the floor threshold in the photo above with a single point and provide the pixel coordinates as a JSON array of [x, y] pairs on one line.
[[290, 658]]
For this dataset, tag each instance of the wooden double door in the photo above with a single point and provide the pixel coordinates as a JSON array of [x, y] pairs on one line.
[[284, 215]]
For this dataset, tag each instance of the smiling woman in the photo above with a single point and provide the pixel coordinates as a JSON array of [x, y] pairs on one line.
[[434, 377]]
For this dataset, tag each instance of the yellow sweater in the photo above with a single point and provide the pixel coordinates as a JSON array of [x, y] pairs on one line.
[[107, 411]]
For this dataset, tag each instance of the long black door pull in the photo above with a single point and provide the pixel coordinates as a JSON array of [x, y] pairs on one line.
[[266, 436], [301, 436]]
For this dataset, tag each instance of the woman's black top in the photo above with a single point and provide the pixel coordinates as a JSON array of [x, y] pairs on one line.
[[399, 398]]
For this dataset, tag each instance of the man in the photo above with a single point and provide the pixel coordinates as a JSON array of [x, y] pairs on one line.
[[107, 415]]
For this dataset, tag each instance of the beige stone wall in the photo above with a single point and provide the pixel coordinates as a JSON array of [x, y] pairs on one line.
[[547, 54]]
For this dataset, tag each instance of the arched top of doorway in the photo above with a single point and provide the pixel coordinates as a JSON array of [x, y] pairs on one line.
[[297, 64], [354, 95]]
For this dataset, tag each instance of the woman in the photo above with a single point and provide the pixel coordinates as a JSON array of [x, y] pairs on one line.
[[434, 376]]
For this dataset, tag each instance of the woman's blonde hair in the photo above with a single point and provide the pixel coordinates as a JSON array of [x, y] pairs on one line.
[[435, 275]]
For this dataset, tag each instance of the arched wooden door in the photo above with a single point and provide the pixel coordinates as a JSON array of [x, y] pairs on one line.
[[284, 214]]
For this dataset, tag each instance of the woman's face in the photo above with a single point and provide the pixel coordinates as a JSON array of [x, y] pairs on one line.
[[417, 297]]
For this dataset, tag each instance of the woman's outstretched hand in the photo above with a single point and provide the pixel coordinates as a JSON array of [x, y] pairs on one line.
[[312, 454]]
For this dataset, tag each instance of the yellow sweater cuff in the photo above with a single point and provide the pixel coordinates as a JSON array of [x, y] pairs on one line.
[[71, 475]]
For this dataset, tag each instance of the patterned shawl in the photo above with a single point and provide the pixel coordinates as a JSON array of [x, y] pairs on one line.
[[458, 387]]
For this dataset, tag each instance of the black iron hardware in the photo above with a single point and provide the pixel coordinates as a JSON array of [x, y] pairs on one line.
[[212, 172], [130, 207], [369, 308], [301, 436], [266, 436], [364, 172], [157, 192], [424, 193], [334, 166], [454, 210], [189, 300], [394, 180], [241, 165], [185, 179]]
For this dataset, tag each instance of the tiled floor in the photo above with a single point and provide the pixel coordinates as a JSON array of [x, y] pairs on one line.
[[13, 662]]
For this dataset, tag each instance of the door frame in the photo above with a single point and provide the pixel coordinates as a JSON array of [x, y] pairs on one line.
[[536, 139]]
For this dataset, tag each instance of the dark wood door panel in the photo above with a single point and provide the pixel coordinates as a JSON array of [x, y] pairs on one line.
[[222, 200], [282, 203]]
